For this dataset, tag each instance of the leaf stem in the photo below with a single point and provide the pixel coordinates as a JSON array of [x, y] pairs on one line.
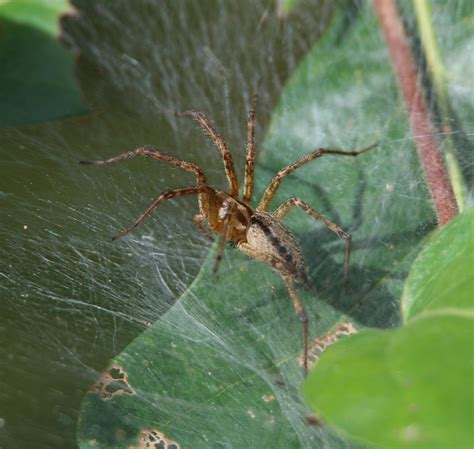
[[417, 109], [438, 74]]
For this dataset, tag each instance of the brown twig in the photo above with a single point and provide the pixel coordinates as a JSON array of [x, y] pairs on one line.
[[417, 109]]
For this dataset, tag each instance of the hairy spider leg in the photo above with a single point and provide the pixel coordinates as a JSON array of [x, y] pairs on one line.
[[228, 209], [273, 261], [271, 189], [302, 317], [221, 146], [154, 154], [199, 221], [250, 157], [284, 208], [160, 199], [158, 155]]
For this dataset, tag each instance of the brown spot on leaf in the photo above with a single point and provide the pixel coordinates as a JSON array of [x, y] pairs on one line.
[[154, 439], [112, 382], [313, 420], [268, 397], [319, 344]]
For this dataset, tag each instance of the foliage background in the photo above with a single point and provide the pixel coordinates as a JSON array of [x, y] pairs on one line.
[[70, 299]]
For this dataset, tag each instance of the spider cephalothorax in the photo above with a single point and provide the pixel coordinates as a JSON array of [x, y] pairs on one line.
[[255, 231]]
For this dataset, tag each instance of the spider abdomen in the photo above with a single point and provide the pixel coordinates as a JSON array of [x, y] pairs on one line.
[[271, 237]]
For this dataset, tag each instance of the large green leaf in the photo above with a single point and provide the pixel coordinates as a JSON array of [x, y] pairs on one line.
[[71, 300], [36, 80], [442, 276], [220, 369], [408, 388], [413, 382]]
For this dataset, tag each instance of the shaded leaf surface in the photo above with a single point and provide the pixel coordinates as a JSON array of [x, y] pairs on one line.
[[71, 299]]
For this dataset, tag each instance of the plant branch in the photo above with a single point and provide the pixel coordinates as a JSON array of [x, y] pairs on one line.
[[417, 109], [438, 75]]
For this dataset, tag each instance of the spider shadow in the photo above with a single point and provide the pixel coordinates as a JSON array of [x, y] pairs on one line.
[[363, 296], [367, 297], [324, 198]]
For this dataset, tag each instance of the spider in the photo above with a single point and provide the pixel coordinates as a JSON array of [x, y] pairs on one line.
[[255, 231]]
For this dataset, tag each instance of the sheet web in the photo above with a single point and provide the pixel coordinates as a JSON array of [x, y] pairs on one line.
[[73, 300]]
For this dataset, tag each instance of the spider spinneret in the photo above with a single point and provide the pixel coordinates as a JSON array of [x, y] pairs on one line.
[[256, 232]]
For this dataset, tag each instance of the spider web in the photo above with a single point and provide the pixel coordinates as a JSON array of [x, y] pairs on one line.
[[72, 300]]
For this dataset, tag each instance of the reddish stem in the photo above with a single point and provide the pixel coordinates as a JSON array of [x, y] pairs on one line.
[[417, 109]]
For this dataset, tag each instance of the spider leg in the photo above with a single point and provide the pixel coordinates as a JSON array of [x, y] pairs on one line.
[[198, 222], [271, 189], [273, 261], [227, 215], [250, 158], [154, 154], [221, 146], [296, 202], [302, 317], [160, 199]]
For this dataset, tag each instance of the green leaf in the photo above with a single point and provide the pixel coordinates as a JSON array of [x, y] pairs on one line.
[[36, 80], [71, 300], [412, 382], [40, 14], [408, 388], [221, 369], [442, 275]]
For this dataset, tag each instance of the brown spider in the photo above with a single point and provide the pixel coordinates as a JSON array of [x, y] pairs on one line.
[[257, 233]]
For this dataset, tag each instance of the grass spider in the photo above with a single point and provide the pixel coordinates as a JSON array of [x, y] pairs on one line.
[[256, 232]]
